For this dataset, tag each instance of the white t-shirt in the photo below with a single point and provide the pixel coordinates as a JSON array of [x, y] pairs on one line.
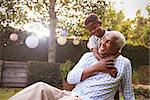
[[94, 41]]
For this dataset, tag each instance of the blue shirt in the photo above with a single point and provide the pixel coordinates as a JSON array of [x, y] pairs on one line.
[[101, 86]]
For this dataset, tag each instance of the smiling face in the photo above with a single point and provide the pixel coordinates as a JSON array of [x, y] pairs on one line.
[[95, 29], [108, 46]]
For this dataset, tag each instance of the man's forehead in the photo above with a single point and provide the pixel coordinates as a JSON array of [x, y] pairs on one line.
[[110, 36], [107, 35]]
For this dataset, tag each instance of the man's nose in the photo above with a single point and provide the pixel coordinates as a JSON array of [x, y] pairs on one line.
[[103, 43]]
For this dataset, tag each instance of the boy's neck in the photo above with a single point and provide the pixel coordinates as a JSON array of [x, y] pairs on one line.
[[103, 32]]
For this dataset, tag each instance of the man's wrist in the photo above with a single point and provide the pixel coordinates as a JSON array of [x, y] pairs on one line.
[[94, 68]]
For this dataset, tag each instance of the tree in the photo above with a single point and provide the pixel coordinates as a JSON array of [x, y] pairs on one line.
[[141, 29], [52, 39], [17, 12], [70, 16]]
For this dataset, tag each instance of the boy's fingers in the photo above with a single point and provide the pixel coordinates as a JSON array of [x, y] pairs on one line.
[[110, 59]]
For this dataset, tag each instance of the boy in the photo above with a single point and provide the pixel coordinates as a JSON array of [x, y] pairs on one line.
[[93, 24]]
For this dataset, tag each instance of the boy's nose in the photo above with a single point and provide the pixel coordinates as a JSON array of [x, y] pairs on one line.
[[93, 31]]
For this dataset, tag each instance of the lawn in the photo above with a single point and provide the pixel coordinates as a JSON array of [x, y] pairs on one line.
[[6, 93]]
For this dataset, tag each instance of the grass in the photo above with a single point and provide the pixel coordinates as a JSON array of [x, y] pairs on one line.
[[6, 93]]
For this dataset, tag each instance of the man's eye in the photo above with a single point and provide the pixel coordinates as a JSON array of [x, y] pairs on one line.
[[103, 38]]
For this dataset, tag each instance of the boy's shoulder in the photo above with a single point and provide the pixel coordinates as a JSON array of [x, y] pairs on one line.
[[94, 37]]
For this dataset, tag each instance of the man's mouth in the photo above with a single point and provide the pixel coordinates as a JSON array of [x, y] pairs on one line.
[[102, 48]]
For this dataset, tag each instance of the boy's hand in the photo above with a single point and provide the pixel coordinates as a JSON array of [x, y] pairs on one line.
[[97, 57], [104, 65], [113, 71], [107, 66]]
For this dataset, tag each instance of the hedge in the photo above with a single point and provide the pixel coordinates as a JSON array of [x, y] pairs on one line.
[[45, 72], [138, 55]]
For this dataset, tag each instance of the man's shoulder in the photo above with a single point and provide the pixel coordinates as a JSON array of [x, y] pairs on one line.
[[88, 54], [122, 58]]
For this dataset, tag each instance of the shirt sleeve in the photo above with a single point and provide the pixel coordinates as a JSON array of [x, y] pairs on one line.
[[126, 83], [92, 43], [74, 76]]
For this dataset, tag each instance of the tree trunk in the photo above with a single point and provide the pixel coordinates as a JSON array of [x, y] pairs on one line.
[[52, 38]]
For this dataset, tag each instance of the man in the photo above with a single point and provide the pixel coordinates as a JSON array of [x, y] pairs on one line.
[[91, 82]]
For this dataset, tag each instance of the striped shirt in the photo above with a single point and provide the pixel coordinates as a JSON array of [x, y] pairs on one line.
[[101, 86]]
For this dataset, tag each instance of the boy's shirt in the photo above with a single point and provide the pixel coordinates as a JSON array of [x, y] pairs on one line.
[[93, 42]]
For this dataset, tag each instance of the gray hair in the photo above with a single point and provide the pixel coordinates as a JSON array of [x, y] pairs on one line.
[[120, 39]]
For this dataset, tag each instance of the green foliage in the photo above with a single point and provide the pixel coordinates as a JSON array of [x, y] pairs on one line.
[[45, 72], [18, 12], [65, 68], [141, 75], [141, 92], [71, 15], [6, 93], [135, 79]]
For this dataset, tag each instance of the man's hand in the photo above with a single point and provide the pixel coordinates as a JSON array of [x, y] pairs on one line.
[[112, 71], [67, 86]]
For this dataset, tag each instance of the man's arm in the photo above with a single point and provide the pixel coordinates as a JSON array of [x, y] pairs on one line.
[[126, 83], [67, 86], [74, 76], [82, 70]]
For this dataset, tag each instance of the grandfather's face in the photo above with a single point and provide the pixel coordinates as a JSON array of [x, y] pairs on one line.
[[108, 46]]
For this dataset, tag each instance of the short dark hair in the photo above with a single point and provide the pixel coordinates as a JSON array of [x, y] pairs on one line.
[[92, 18]]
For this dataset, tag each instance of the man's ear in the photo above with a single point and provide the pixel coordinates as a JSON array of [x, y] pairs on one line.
[[119, 51], [117, 54]]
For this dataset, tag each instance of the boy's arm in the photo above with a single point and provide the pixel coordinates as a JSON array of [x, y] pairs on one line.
[[95, 51], [92, 43], [101, 66]]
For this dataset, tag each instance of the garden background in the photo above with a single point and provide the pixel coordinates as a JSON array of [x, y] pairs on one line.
[[52, 20]]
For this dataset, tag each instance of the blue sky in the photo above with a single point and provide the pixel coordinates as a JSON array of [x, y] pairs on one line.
[[131, 6]]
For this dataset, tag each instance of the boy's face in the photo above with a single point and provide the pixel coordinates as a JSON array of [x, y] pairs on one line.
[[95, 29]]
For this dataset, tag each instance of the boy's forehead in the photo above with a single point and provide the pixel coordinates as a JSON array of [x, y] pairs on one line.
[[92, 24]]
